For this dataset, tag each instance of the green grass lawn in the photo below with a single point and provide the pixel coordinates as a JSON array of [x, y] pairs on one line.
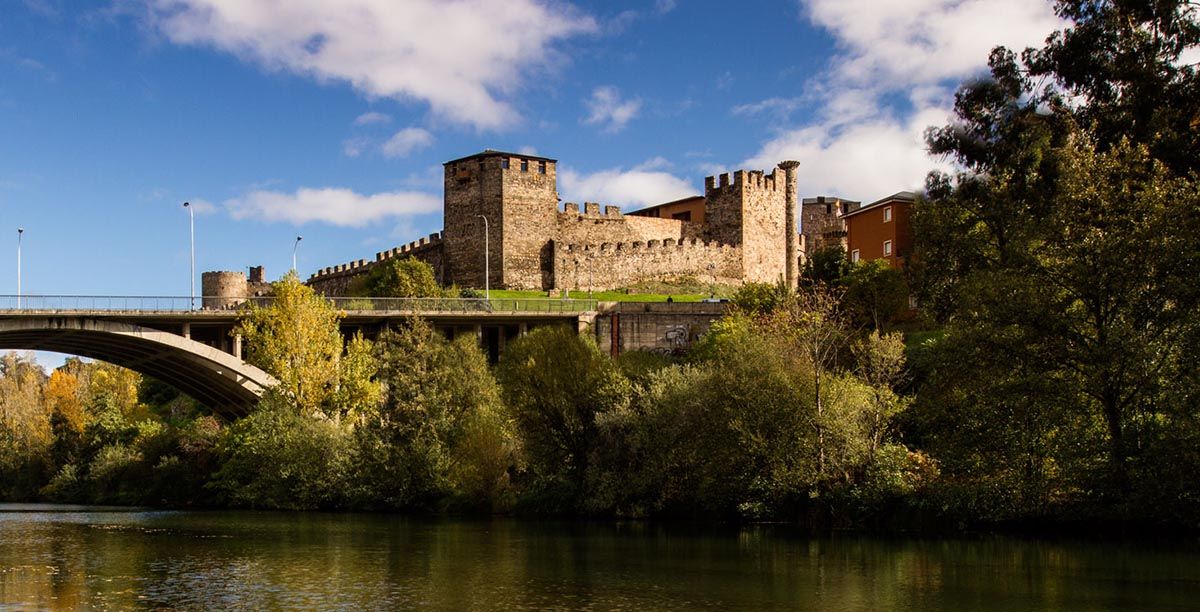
[[602, 296]]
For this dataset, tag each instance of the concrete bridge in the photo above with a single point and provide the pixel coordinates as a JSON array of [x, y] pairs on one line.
[[197, 350]]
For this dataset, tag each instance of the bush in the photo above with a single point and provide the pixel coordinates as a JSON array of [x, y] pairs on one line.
[[557, 385], [278, 458]]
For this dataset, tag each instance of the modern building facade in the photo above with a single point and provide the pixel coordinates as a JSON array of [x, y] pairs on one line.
[[881, 230]]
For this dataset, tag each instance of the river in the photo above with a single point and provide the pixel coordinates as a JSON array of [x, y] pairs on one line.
[[64, 557]]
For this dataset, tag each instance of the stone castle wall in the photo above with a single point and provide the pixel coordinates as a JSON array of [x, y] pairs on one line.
[[530, 220], [533, 245], [221, 290], [472, 187], [597, 225], [337, 280], [751, 212], [821, 222], [620, 264]]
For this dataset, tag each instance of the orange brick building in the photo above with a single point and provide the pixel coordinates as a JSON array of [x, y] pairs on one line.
[[689, 209], [881, 230]]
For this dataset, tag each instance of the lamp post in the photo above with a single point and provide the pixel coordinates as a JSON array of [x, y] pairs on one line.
[[20, 232], [295, 247], [192, 235], [487, 264]]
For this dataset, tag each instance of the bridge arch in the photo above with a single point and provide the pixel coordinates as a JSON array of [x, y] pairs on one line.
[[216, 379]]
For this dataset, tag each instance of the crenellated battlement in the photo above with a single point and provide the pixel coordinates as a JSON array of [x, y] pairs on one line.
[[694, 244], [592, 210], [509, 204], [741, 180], [358, 266]]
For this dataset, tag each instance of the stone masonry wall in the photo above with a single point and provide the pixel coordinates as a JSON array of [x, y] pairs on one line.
[[821, 222], [621, 264], [529, 222], [591, 226], [222, 290], [472, 187], [750, 211], [667, 329], [336, 280]]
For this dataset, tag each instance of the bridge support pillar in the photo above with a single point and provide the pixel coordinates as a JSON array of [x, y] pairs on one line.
[[187, 330], [237, 346], [522, 329]]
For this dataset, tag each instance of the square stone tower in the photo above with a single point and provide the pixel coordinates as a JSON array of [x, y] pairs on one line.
[[519, 196], [750, 212]]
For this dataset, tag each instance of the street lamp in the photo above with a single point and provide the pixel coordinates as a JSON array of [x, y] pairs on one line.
[[294, 248], [192, 233], [20, 232], [487, 264]]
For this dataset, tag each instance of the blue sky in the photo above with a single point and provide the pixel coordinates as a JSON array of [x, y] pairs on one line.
[[331, 119]]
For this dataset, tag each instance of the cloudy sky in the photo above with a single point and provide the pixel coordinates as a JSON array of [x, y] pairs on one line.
[[331, 119]]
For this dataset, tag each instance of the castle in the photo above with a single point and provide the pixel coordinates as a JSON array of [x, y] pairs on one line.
[[743, 229]]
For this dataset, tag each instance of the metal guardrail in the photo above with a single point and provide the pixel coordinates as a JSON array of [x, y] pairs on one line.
[[112, 303]]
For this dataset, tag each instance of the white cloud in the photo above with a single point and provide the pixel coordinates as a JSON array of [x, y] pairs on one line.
[[353, 147], [663, 7], [863, 161], [406, 141], [371, 117], [783, 106], [341, 207], [202, 206], [640, 186], [608, 110], [909, 42], [465, 58], [860, 143]]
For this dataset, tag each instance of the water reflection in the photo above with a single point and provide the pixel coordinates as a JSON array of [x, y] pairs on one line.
[[60, 557]]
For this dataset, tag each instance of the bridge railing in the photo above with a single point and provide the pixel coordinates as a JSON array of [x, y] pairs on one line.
[[183, 304]]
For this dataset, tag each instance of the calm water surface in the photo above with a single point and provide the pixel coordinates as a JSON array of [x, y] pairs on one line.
[[62, 557]]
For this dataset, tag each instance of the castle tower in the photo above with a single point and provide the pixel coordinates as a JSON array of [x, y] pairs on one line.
[[821, 222], [750, 212], [789, 185], [519, 196]]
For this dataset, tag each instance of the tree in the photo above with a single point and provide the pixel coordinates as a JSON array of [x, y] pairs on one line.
[[826, 266], [760, 298], [876, 294], [25, 432], [67, 415], [879, 364], [558, 385], [1119, 64], [1056, 253], [406, 277], [295, 338], [439, 430], [814, 326]]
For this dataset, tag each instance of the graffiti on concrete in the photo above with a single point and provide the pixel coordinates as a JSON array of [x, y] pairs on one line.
[[677, 336]]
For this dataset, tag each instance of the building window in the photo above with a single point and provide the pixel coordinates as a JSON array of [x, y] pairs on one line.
[[828, 209], [504, 163], [524, 165], [855, 256], [887, 248], [887, 214], [683, 216], [541, 167]]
